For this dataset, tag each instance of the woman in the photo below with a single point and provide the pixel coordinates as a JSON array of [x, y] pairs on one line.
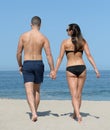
[[76, 69]]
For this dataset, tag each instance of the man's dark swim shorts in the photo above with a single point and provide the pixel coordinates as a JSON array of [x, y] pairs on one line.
[[33, 71]]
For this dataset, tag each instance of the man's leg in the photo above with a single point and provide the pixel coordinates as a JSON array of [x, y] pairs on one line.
[[37, 95], [29, 87]]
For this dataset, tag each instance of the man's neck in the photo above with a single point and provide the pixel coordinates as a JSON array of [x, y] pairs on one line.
[[35, 28]]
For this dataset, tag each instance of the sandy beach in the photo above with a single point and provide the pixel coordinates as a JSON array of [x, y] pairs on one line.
[[54, 115]]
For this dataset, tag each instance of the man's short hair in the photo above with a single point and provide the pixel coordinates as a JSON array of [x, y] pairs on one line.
[[36, 21]]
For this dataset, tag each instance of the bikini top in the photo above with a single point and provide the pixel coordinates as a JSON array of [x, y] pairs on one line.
[[68, 51]]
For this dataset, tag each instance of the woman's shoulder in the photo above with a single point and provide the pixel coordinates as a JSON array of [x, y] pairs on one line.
[[65, 41], [84, 41]]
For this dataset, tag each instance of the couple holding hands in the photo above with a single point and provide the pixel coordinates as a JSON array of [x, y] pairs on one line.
[[32, 43]]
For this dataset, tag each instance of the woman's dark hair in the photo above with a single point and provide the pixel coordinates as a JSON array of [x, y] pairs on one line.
[[76, 36]]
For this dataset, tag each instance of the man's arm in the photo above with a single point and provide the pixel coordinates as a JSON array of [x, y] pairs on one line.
[[19, 53], [49, 54]]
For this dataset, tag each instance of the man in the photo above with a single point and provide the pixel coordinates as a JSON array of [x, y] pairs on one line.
[[32, 43]]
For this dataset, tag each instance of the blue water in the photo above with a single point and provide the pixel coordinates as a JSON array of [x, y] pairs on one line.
[[11, 86]]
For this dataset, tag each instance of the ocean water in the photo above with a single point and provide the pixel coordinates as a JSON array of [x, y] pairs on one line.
[[11, 86]]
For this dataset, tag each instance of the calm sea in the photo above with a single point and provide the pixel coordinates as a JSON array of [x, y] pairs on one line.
[[11, 86]]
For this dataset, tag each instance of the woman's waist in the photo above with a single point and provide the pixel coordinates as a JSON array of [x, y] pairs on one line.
[[75, 63]]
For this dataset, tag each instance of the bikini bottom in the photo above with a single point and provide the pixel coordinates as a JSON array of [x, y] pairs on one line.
[[77, 69]]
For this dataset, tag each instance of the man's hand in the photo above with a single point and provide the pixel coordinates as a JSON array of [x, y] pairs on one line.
[[20, 70]]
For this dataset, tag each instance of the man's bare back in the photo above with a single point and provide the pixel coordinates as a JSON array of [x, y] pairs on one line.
[[33, 42]]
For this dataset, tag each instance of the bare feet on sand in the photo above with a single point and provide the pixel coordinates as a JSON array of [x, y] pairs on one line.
[[79, 118], [74, 116], [34, 118]]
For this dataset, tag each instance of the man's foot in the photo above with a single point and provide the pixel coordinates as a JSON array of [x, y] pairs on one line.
[[34, 118]]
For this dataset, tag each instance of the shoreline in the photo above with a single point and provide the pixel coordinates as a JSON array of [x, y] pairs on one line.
[[53, 115], [100, 100]]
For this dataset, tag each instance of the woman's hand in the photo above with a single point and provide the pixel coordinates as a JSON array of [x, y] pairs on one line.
[[97, 73]]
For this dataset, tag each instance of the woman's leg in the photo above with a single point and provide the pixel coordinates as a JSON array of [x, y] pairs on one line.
[[81, 81], [72, 83], [80, 85]]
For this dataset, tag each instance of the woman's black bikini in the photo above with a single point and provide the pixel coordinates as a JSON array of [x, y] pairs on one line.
[[68, 51], [76, 69]]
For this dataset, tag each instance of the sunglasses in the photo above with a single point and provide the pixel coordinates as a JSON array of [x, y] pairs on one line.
[[68, 30]]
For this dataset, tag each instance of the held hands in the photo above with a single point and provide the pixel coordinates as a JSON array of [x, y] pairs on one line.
[[53, 74]]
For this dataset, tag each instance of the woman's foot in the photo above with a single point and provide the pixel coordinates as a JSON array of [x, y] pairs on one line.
[[34, 118], [74, 116], [79, 118]]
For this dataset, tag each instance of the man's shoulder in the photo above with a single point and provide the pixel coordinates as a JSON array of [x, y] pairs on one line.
[[25, 34], [43, 36], [40, 33]]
